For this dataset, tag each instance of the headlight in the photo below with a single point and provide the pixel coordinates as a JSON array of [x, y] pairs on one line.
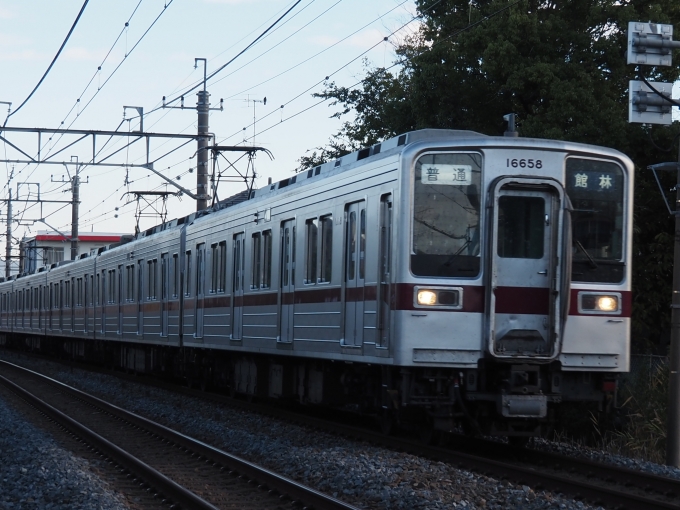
[[427, 297], [444, 297], [593, 302]]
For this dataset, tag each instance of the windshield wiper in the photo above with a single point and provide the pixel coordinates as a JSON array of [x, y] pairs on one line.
[[593, 264]]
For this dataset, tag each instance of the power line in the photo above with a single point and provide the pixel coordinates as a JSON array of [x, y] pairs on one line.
[[313, 56], [399, 62], [214, 73], [82, 9]]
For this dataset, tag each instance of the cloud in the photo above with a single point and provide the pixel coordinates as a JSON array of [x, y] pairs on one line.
[[23, 55]]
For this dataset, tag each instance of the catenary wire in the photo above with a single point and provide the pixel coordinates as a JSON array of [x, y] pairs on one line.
[[63, 44]]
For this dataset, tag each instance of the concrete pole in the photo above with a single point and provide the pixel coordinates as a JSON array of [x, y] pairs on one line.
[[75, 189], [203, 107], [673, 412], [8, 249]]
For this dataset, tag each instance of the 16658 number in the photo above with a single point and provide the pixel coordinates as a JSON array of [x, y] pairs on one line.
[[523, 163]]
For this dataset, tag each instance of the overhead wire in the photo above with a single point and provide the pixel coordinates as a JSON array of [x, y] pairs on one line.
[[397, 63], [61, 48]]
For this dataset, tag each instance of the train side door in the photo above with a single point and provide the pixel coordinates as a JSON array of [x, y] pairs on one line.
[[238, 281], [525, 278], [287, 297], [355, 272], [384, 271], [200, 289]]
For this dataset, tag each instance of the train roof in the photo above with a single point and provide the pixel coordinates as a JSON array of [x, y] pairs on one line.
[[378, 151]]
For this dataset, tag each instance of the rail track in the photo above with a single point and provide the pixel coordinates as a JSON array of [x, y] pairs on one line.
[[598, 483], [174, 468]]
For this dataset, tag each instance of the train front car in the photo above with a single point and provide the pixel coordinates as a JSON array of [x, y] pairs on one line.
[[515, 294]]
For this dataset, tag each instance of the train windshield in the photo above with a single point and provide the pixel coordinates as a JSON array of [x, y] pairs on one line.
[[446, 210], [595, 189]]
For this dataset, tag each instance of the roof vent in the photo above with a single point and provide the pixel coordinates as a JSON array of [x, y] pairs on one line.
[[284, 183], [338, 162], [402, 140], [364, 153], [310, 173], [317, 170], [376, 148]]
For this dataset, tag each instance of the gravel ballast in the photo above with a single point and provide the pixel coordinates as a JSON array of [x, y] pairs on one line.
[[35, 473], [356, 472]]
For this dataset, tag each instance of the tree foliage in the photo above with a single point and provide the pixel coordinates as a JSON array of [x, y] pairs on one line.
[[560, 66]]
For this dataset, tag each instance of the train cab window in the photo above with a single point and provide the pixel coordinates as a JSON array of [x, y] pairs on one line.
[[310, 251], [596, 191], [446, 215]]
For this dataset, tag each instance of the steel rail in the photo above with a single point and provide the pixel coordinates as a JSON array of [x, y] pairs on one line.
[[167, 487], [281, 484]]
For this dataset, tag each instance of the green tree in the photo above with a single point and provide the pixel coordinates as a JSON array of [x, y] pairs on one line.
[[561, 67]]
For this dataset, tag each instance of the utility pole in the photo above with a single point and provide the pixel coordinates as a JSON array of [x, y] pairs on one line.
[[8, 249], [75, 188], [202, 155], [652, 44]]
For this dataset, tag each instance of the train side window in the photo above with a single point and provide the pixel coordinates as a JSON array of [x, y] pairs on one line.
[[311, 231], [352, 243], [326, 249], [112, 286], [151, 279], [164, 276], [222, 281], [214, 267], [187, 274], [256, 261], [130, 285], [362, 244], [175, 275], [79, 292], [266, 259], [200, 269]]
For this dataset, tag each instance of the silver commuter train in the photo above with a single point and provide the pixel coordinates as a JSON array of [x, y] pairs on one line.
[[439, 277]]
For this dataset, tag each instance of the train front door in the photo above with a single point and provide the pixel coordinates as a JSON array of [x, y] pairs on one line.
[[355, 269], [287, 295], [525, 278], [238, 281]]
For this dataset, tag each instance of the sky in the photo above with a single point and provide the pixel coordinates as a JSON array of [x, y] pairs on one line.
[[152, 59], [107, 65]]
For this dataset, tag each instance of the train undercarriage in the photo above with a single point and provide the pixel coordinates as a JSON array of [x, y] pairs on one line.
[[515, 400]]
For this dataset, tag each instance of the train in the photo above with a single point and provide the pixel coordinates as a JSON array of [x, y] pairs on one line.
[[441, 279]]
